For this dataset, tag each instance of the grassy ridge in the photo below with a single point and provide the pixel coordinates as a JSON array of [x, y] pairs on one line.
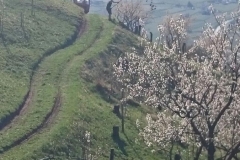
[[93, 113], [46, 85], [53, 25], [84, 109], [50, 75]]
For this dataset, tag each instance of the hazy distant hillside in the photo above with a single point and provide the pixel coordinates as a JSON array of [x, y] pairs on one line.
[[165, 7]]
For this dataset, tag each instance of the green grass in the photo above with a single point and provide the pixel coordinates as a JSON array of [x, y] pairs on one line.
[[83, 108], [52, 26], [46, 84], [81, 77]]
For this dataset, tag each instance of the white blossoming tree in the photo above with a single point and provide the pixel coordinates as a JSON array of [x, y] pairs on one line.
[[130, 12], [197, 88]]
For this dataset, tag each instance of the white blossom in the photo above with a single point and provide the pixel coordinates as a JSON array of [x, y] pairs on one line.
[[197, 88]]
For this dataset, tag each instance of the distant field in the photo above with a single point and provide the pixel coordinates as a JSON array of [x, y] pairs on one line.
[[164, 7], [198, 20]]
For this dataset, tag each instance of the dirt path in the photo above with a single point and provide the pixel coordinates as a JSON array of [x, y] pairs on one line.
[[13, 118], [50, 117]]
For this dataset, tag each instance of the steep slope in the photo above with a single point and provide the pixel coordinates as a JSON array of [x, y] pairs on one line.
[[47, 85], [28, 34], [82, 108]]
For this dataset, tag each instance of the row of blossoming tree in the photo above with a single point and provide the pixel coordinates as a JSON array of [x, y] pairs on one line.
[[132, 13], [196, 88]]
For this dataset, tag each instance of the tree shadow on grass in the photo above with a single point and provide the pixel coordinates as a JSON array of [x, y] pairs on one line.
[[25, 34], [5, 44], [118, 114], [105, 93], [130, 144], [121, 144]]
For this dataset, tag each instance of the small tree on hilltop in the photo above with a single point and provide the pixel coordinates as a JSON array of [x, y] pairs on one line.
[[197, 89], [130, 11]]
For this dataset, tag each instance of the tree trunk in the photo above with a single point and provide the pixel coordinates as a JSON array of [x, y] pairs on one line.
[[32, 7], [211, 151], [122, 111], [198, 153], [171, 150], [233, 151]]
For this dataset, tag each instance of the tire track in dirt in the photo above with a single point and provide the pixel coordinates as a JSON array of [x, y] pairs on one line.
[[10, 120], [6, 122], [49, 119]]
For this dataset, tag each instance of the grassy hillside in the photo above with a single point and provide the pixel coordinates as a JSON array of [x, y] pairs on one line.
[[56, 84], [28, 34], [80, 106]]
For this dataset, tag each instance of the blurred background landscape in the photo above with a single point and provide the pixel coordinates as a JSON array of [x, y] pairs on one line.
[[196, 10]]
